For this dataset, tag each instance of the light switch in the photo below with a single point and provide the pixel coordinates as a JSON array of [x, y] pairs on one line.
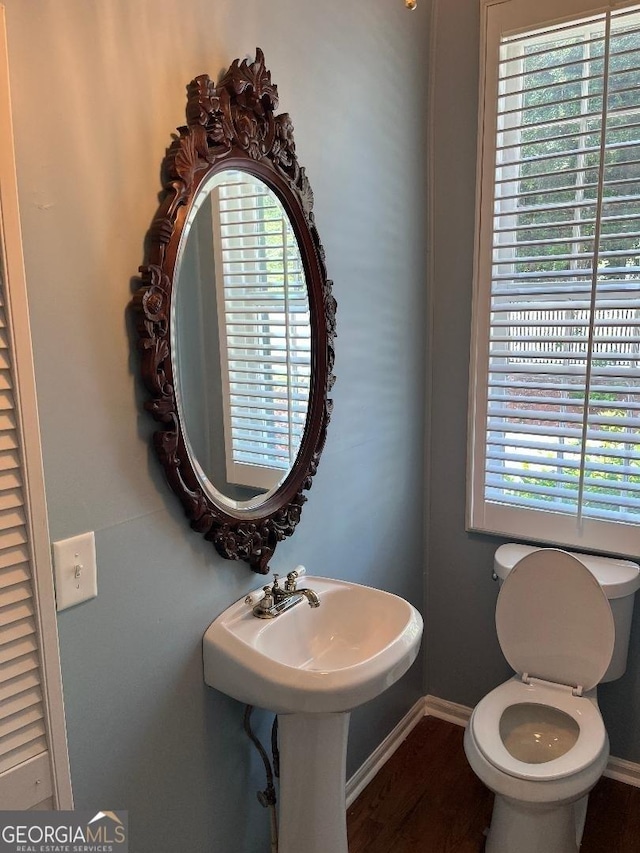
[[74, 562]]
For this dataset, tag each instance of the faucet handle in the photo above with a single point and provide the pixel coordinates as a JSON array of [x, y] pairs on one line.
[[291, 581], [292, 578]]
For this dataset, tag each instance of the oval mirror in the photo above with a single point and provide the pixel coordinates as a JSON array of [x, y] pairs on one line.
[[241, 343], [236, 318]]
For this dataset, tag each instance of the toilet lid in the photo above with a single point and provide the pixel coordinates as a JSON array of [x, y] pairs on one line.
[[554, 621]]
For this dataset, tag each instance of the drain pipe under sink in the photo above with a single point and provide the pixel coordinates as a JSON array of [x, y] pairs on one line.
[[266, 798]]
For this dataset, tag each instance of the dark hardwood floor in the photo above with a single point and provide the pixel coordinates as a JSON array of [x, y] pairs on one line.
[[426, 799]]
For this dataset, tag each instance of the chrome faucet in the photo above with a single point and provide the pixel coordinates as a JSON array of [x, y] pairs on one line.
[[278, 599], [310, 595]]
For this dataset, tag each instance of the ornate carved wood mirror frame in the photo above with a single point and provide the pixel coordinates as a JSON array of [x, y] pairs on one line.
[[232, 126]]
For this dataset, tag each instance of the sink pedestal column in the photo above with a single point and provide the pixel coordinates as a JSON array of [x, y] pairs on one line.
[[313, 751]]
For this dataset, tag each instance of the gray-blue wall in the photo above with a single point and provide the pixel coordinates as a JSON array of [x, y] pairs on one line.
[[98, 88], [464, 659]]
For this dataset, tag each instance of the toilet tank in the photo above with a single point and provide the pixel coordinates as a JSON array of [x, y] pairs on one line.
[[619, 579]]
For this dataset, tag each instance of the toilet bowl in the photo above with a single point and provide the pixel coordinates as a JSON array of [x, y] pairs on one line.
[[538, 740]]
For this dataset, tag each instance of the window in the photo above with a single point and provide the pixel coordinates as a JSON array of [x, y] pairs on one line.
[[555, 382]]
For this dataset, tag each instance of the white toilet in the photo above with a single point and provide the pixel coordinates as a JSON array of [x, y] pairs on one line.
[[538, 740]]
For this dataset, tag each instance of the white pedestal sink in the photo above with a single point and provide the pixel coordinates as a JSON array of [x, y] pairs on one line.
[[312, 666]]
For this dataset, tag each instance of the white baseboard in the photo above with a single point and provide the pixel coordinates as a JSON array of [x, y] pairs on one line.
[[445, 710], [623, 771], [431, 706], [379, 757]]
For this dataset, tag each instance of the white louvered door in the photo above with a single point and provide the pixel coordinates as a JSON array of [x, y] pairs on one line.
[[34, 770], [22, 711]]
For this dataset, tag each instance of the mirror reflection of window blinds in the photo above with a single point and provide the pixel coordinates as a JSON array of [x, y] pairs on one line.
[[264, 332]]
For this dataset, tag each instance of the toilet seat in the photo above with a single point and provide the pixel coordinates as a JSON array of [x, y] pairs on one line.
[[485, 728]]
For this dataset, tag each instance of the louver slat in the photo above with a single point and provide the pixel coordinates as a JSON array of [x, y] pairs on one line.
[[25, 699], [26, 743]]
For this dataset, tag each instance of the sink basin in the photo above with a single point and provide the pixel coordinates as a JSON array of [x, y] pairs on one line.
[[314, 660], [312, 666]]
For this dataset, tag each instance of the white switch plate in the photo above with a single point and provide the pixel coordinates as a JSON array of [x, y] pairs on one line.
[[74, 562]]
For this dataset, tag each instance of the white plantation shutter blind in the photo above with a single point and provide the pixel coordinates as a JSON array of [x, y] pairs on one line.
[[556, 441], [34, 770], [264, 332]]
